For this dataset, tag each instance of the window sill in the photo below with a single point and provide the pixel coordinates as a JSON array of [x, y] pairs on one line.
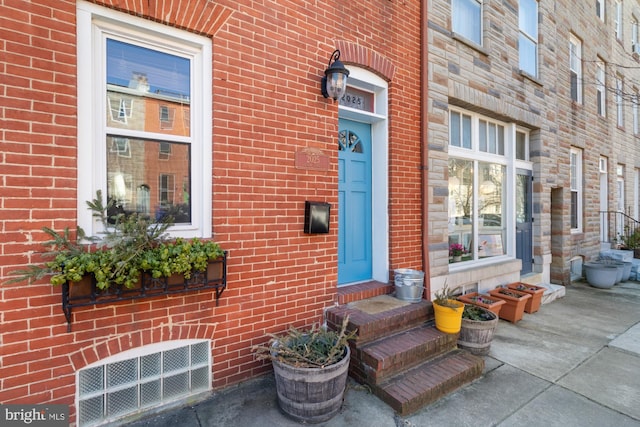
[[473, 45], [531, 78]]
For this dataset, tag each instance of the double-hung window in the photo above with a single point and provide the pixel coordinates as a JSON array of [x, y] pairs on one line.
[[636, 118], [528, 39], [466, 19], [620, 100], [575, 178], [618, 20], [601, 88], [635, 47], [600, 9], [575, 66], [481, 152], [144, 114]]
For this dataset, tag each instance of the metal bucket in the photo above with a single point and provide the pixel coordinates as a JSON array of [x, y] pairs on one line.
[[409, 284]]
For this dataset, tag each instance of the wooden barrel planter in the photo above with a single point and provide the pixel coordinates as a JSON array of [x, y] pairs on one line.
[[476, 335], [311, 395]]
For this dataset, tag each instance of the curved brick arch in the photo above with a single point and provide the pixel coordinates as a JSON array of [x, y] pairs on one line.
[[367, 58], [127, 341], [203, 18]]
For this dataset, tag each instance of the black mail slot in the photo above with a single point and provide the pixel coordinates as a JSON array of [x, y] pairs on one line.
[[316, 217]]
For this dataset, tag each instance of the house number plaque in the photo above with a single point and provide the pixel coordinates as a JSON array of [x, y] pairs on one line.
[[313, 159]]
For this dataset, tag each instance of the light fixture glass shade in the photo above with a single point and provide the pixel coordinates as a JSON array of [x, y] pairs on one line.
[[334, 82], [336, 85]]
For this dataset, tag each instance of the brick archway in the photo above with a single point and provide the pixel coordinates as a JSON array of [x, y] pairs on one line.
[[366, 58]]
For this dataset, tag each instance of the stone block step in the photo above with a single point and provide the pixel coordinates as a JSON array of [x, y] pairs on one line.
[[392, 354], [417, 387], [380, 316]]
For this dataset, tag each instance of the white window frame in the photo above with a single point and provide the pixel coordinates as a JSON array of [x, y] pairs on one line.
[[635, 112], [575, 178], [533, 38], [93, 24], [575, 66], [619, 100], [476, 155], [460, 28], [617, 20], [601, 87], [600, 9], [635, 46]]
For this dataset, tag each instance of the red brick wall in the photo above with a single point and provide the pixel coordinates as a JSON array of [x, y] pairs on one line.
[[267, 62]]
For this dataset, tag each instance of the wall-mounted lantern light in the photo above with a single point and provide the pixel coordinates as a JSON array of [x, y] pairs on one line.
[[334, 82]]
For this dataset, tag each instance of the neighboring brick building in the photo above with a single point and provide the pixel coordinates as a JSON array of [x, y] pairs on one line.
[[527, 127], [239, 84]]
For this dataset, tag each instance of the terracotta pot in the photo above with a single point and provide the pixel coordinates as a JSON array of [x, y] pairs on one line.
[[513, 310], [533, 303], [485, 301], [448, 319]]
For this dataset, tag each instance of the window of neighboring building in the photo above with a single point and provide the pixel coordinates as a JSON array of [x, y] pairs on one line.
[[478, 187], [635, 47], [146, 76], [601, 88], [466, 19], [528, 40], [620, 100], [620, 184], [618, 20], [636, 119], [600, 9], [575, 66], [575, 170], [522, 145]]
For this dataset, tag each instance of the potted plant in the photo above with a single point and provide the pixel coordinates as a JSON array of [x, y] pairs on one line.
[[311, 369], [631, 241], [485, 301], [476, 332], [533, 303], [513, 310], [131, 247], [456, 250], [447, 311]]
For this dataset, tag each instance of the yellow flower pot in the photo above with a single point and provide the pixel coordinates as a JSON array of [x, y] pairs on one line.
[[448, 319]]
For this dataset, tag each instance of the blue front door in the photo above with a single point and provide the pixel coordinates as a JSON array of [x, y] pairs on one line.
[[354, 202]]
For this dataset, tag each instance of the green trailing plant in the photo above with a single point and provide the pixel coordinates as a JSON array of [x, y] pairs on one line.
[[631, 240], [473, 312], [446, 297], [316, 347], [129, 245]]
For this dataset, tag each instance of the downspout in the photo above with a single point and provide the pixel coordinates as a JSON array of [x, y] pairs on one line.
[[424, 165]]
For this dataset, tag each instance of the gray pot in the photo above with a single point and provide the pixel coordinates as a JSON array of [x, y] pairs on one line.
[[601, 275]]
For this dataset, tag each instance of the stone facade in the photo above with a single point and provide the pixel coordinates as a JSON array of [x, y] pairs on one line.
[[486, 79]]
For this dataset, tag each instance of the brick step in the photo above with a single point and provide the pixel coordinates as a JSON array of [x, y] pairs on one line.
[[372, 326], [374, 361], [417, 387]]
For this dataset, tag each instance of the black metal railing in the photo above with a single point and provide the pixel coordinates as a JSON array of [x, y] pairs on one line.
[[618, 227], [85, 293]]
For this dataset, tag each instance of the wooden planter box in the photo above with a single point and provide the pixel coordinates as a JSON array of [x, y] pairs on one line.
[[513, 310], [485, 301], [533, 303]]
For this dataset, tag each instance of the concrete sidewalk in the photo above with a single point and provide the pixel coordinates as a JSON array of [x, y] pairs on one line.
[[576, 362]]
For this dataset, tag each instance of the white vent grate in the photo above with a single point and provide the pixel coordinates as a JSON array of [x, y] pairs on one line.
[[139, 379]]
